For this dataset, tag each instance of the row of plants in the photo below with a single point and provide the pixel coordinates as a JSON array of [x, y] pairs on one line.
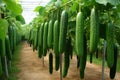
[[11, 34], [81, 27]]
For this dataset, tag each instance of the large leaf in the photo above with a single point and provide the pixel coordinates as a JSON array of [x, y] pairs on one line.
[[37, 8], [113, 2], [40, 9], [74, 7], [13, 6], [3, 28], [20, 18]]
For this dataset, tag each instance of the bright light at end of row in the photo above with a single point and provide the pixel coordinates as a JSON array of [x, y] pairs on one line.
[[28, 7]]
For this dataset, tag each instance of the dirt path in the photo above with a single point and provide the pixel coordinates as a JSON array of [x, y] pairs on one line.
[[32, 69]]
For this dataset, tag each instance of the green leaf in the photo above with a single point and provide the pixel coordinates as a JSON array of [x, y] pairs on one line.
[[74, 7], [3, 28], [20, 18], [13, 6], [113, 2], [65, 1], [37, 8], [40, 9]]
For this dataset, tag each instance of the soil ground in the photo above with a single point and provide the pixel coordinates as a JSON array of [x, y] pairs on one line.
[[31, 68]]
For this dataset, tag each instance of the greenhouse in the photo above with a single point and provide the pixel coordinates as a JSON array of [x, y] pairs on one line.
[[59, 39]]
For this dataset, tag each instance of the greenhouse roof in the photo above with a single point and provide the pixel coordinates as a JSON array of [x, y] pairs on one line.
[[29, 6]]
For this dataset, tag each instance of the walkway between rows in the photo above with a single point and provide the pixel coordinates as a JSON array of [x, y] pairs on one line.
[[31, 68]]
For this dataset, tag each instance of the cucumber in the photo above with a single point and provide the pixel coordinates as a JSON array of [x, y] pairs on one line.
[[2, 48], [66, 64], [110, 44], [40, 41], [29, 36], [50, 34], [82, 74], [50, 63], [8, 49], [41, 30], [113, 68], [14, 38], [10, 33], [66, 59], [45, 33], [63, 31], [94, 31], [79, 34], [56, 38], [83, 59], [35, 39]]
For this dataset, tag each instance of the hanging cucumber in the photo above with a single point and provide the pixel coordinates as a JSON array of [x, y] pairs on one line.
[[2, 48], [8, 49], [56, 44], [79, 34], [50, 34], [113, 68], [40, 41], [14, 37], [31, 37], [10, 33], [66, 59], [41, 30], [110, 44], [94, 31], [45, 33], [63, 31], [37, 38], [50, 63], [83, 59], [34, 39], [56, 38]]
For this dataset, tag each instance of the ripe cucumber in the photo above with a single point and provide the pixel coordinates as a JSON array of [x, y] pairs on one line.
[[113, 68], [83, 59], [79, 34], [66, 59], [45, 34], [50, 34], [2, 48], [63, 31], [56, 38], [110, 44], [94, 31], [8, 49]]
